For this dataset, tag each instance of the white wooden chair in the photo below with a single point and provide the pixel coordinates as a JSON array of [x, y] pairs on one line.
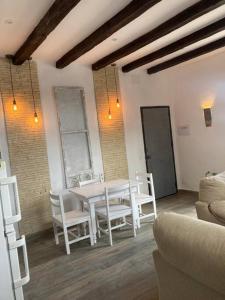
[[68, 222], [94, 180], [115, 212], [142, 198]]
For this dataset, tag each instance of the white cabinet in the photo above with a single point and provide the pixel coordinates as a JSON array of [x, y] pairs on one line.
[[12, 282]]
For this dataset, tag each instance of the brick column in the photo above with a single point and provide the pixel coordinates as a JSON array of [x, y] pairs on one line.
[[27, 146], [111, 131]]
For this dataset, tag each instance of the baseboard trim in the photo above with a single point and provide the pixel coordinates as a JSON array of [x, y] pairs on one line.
[[187, 191]]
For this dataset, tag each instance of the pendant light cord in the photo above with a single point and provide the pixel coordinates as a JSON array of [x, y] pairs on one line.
[[11, 79], [31, 83], [1, 93], [107, 88], [116, 82]]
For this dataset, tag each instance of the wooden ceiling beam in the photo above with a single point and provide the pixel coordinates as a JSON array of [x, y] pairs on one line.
[[189, 14], [133, 10], [178, 45], [188, 56], [56, 13]]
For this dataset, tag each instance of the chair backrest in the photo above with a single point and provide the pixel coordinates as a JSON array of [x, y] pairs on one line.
[[145, 178], [95, 180], [119, 191], [57, 205]]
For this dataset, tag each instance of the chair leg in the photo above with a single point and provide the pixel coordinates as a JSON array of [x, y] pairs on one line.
[[55, 234], [91, 233], [154, 208], [140, 209], [84, 225], [134, 226], [99, 232], [66, 240], [110, 233], [78, 230]]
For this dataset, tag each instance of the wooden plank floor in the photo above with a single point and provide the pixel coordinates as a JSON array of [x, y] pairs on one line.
[[124, 271]]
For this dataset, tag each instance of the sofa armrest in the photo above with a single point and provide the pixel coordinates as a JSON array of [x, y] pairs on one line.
[[217, 209], [203, 213], [194, 247]]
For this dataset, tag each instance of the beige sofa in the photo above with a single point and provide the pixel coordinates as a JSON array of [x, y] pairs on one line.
[[190, 259], [212, 189]]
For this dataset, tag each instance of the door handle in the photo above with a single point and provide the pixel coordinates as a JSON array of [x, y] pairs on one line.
[[19, 282]]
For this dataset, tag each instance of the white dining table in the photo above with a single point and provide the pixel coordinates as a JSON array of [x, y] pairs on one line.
[[93, 193]]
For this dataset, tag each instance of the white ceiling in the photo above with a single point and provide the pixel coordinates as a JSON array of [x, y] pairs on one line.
[[87, 16]]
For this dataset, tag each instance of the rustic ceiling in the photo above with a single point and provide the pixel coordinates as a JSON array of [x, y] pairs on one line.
[[19, 17]]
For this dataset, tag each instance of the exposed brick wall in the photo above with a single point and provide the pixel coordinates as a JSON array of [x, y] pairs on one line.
[[27, 146], [111, 131]]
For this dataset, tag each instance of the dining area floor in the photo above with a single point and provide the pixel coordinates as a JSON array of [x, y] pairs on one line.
[[124, 271]]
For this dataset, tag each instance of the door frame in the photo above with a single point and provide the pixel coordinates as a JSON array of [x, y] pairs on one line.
[[142, 108]]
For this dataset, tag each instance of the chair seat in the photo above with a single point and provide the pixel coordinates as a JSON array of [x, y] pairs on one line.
[[73, 217], [116, 211], [143, 198]]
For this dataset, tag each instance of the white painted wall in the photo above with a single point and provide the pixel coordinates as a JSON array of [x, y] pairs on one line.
[[74, 75], [184, 88], [204, 149], [139, 89]]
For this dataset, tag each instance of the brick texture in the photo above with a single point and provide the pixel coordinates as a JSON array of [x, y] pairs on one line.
[[27, 146], [111, 131]]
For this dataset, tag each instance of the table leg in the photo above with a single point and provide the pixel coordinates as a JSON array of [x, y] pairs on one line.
[[135, 208], [137, 217], [93, 221], [135, 212]]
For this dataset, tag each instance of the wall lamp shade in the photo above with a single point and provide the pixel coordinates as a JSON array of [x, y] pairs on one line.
[[208, 117]]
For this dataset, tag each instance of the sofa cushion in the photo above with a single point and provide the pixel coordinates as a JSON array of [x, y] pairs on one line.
[[212, 188]]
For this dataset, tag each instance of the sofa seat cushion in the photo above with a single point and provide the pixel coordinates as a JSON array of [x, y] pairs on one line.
[[212, 188], [217, 209]]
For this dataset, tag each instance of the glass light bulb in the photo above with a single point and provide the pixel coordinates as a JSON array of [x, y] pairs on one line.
[[14, 105], [117, 103], [109, 115], [35, 117]]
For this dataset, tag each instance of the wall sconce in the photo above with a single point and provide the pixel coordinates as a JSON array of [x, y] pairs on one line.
[[208, 117], [207, 106]]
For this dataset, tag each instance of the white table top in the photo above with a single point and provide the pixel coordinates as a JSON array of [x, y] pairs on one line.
[[98, 190]]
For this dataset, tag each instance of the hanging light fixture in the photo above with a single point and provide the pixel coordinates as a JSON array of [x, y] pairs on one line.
[[31, 83], [109, 112], [14, 104], [117, 98]]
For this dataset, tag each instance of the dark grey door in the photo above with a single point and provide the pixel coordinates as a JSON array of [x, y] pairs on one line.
[[159, 153]]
